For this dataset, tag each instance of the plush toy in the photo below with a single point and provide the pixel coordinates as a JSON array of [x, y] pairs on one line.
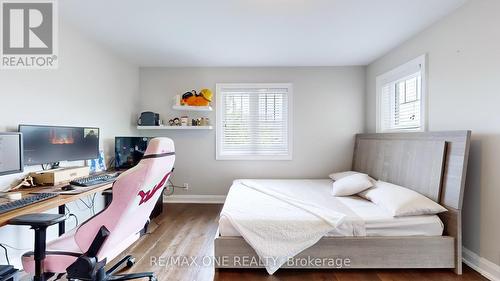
[[188, 97], [194, 99], [206, 94]]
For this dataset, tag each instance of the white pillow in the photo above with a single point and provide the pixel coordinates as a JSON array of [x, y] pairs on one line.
[[401, 201], [351, 185], [338, 176]]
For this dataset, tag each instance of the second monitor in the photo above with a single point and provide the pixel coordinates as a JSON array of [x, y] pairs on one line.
[[129, 151], [11, 153]]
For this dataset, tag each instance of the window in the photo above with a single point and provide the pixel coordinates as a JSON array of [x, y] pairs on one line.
[[401, 98], [254, 122]]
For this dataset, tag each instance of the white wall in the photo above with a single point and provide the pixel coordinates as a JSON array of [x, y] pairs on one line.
[[464, 72], [328, 111], [92, 87]]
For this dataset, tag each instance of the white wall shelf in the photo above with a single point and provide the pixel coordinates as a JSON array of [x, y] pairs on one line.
[[174, 127], [192, 108]]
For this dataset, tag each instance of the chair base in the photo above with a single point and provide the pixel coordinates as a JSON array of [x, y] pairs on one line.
[[132, 276], [129, 261], [102, 275]]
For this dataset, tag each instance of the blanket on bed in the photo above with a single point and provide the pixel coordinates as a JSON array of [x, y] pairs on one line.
[[278, 222]]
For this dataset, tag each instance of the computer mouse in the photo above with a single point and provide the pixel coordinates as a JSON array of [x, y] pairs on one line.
[[68, 187]]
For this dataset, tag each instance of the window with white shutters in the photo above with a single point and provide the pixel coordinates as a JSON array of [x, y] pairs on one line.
[[401, 98], [254, 121]]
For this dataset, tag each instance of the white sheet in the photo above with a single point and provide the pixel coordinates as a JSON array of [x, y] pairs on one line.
[[378, 222], [288, 221]]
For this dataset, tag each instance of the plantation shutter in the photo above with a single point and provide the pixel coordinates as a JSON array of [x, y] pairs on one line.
[[401, 102], [254, 121]]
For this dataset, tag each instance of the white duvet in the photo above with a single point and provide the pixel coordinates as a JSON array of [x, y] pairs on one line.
[[278, 222]]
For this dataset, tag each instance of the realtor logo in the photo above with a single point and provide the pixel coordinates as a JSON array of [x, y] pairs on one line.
[[29, 34]]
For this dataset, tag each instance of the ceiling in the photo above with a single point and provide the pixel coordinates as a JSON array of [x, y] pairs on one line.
[[253, 32]]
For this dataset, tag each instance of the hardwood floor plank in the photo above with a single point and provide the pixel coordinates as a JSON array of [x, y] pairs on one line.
[[361, 275], [188, 230]]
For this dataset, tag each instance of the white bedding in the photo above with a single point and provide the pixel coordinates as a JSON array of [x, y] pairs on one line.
[[291, 218], [378, 222]]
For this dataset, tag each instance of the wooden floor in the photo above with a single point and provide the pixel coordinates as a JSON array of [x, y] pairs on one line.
[[188, 230]]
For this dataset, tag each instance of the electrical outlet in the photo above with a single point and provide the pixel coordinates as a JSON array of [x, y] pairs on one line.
[[186, 185]]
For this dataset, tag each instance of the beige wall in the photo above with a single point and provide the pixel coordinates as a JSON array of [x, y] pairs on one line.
[[327, 112], [92, 87], [464, 71]]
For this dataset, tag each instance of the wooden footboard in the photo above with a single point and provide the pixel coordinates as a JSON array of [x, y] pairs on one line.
[[349, 252]]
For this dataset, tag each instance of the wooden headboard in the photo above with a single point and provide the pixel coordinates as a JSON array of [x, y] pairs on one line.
[[433, 164]]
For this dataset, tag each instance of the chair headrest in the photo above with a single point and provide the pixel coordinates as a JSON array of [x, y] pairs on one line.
[[158, 146]]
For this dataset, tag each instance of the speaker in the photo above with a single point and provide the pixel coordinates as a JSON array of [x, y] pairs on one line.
[[149, 118]]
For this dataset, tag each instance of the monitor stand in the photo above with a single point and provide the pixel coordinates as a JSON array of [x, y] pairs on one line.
[[60, 175]]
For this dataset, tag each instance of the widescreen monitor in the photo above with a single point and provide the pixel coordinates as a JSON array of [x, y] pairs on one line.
[[52, 144]]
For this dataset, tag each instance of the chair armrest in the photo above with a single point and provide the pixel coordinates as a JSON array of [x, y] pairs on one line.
[[99, 239], [87, 266], [38, 220]]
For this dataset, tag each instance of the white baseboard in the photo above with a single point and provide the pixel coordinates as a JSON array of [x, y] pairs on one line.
[[483, 266], [199, 199]]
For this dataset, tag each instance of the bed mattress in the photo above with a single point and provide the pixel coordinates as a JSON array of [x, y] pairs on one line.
[[378, 221]]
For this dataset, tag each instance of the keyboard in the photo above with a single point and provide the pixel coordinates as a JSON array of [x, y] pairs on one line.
[[94, 180], [26, 201]]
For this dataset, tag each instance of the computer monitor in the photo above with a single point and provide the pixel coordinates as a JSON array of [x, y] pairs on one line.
[[11, 153], [51, 144], [129, 151]]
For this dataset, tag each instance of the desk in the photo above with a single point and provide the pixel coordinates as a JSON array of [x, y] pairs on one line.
[[48, 204]]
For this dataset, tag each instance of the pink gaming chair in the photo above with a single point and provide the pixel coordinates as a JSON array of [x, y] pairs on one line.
[[83, 252]]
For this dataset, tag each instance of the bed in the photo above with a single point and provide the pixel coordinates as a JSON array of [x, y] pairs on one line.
[[433, 164], [378, 221]]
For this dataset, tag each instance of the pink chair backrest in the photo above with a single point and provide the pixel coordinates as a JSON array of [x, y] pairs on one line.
[[135, 193]]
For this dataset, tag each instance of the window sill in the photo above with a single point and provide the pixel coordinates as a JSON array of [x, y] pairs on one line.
[[254, 157], [409, 130]]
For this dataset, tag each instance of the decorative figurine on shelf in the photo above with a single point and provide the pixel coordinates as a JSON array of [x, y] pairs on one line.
[[194, 99], [204, 121], [184, 120]]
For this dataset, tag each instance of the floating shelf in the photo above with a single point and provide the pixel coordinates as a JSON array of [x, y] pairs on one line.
[[174, 127], [192, 108]]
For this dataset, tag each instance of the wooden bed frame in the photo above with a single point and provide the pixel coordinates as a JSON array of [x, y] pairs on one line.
[[433, 164]]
